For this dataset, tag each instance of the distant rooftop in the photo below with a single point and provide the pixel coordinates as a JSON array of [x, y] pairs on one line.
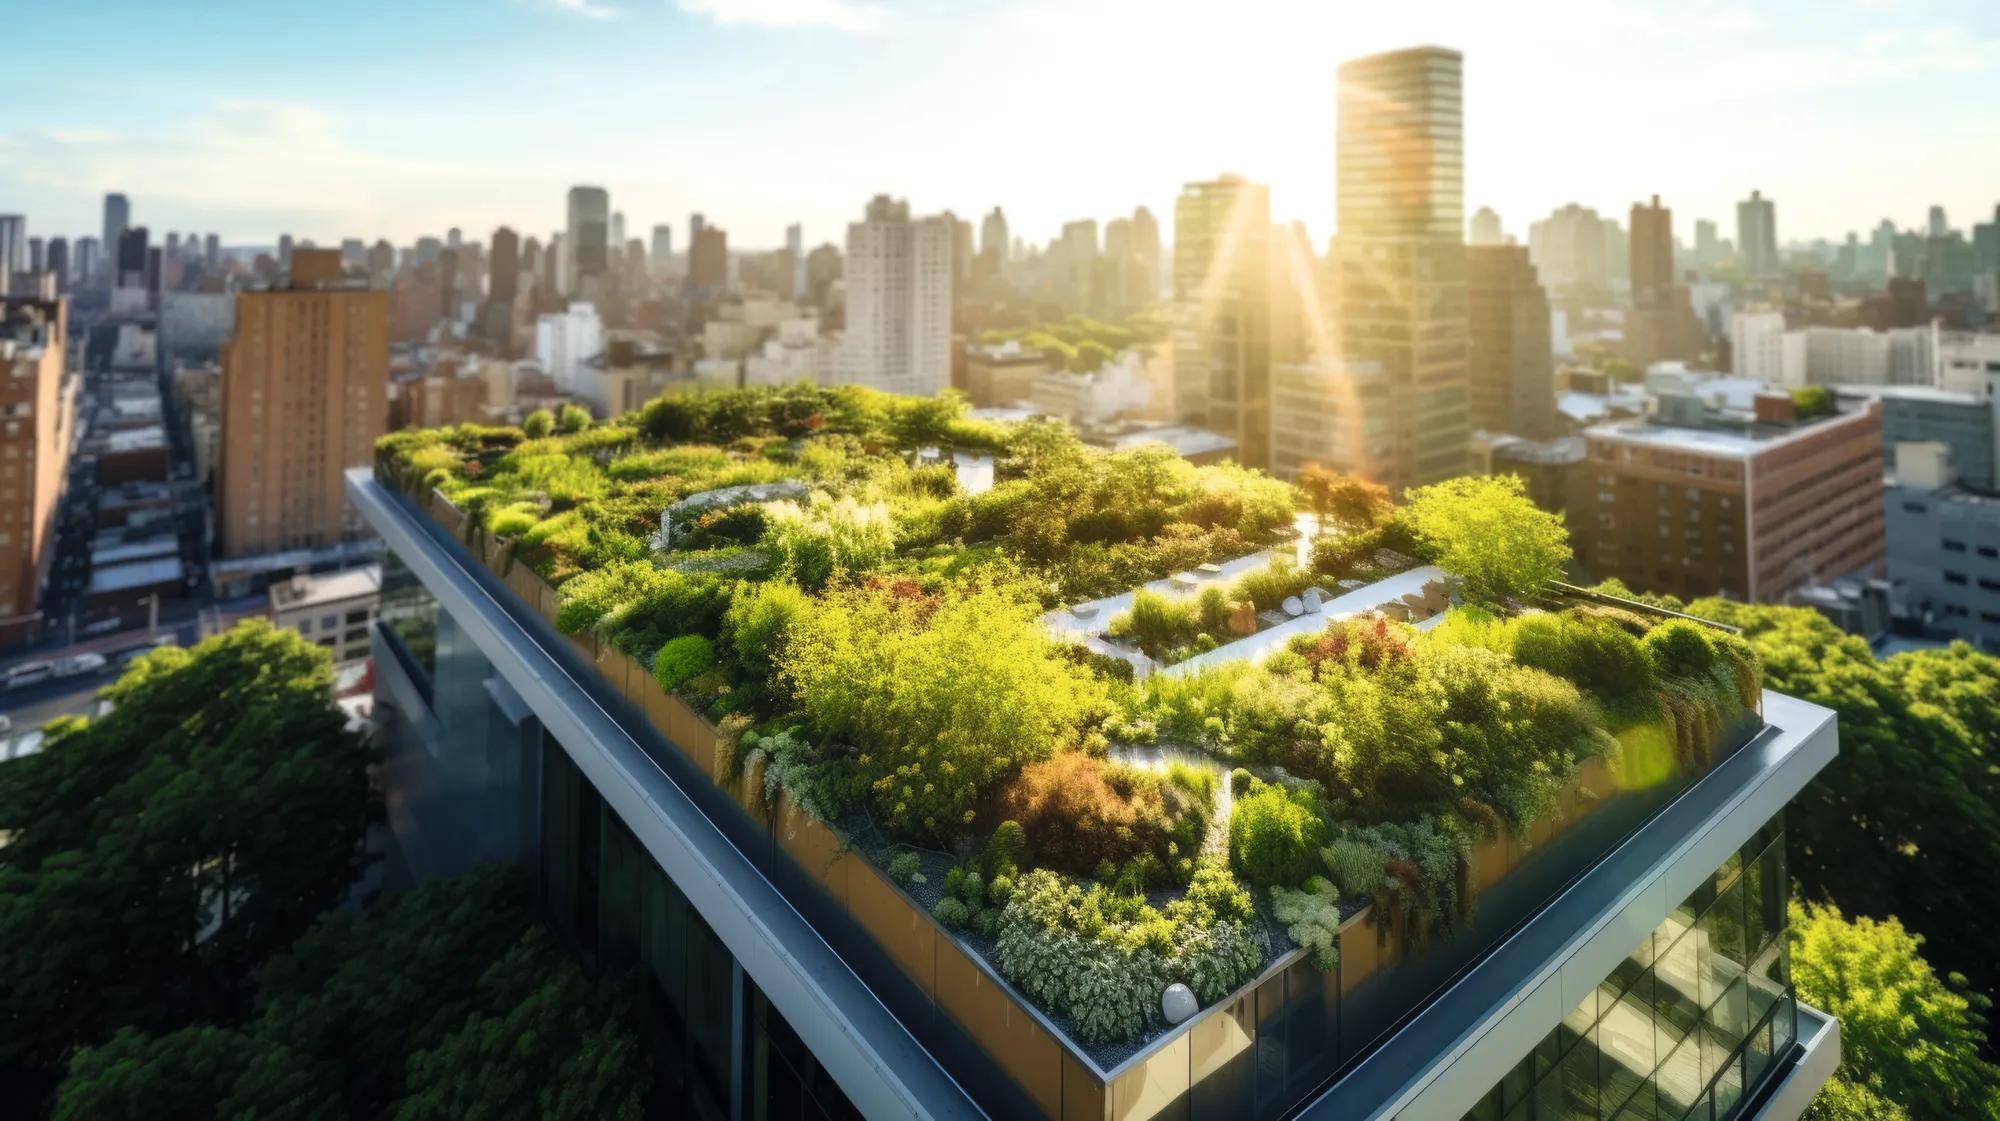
[[331, 587]]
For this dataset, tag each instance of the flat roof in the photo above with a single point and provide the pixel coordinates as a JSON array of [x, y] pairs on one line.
[[328, 587], [119, 550], [1731, 443], [1928, 393], [137, 574], [1183, 438], [148, 438]]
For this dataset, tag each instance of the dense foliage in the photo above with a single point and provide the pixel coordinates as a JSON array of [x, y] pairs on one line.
[[1487, 532], [1906, 1037], [146, 872]]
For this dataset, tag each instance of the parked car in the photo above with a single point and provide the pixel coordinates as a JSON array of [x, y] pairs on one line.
[[29, 673], [77, 664]]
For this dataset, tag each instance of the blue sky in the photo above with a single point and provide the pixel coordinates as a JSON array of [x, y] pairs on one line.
[[374, 118]]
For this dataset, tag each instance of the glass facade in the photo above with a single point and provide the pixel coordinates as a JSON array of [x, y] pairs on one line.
[[410, 613], [720, 1049], [1688, 1025]]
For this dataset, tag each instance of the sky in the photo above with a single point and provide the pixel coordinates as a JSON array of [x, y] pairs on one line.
[[400, 118]]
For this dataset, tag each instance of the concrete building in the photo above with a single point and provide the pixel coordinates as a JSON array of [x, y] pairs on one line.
[[899, 300], [1967, 423], [565, 342], [194, 326], [1944, 547], [38, 399], [1485, 228], [796, 351], [333, 610], [586, 243], [1757, 236], [1661, 325], [1965, 359], [1401, 250], [117, 217], [1757, 345], [1702, 501], [1569, 252], [994, 375], [1124, 388], [305, 381], [708, 261], [1222, 297], [663, 250], [1510, 361]]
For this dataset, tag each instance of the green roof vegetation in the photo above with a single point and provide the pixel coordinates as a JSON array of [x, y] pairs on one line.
[[873, 631]]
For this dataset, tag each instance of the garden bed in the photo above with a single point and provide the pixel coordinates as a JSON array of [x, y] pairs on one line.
[[861, 657]]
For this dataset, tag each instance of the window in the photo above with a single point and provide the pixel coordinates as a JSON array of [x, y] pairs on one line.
[[1989, 552], [1951, 577], [360, 616], [1951, 546], [1913, 508]]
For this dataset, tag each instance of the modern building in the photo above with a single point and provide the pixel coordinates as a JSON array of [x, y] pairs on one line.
[[1966, 359], [1401, 250], [993, 375], [305, 380], [708, 260], [1966, 423], [1757, 345], [1485, 228], [1757, 236], [1222, 297], [1698, 501], [38, 399], [1570, 253], [503, 281], [1510, 361], [13, 250], [117, 216], [1944, 547], [992, 244], [899, 300], [333, 610], [1331, 413], [565, 342], [586, 245], [1628, 962], [663, 249], [1661, 325]]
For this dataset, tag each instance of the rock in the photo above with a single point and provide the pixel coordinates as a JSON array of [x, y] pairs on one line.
[[1243, 618], [1178, 1003], [1293, 606]]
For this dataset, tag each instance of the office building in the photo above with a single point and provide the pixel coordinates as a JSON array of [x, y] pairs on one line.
[[899, 299], [1757, 345], [1570, 254], [132, 258], [1661, 326], [335, 611], [992, 243], [586, 252], [1510, 362], [1757, 236], [1630, 961], [1944, 547], [117, 216], [38, 398], [795, 255], [504, 281], [1697, 501], [305, 379], [59, 263], [565, 342], [1402, 250], [1485, 228], [1331, 413], [1222, 299], [13, 251], [1967, 423], [663, 249], [89, 261], [708, 261]]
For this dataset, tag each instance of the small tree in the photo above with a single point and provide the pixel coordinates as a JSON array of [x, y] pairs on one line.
[[1349, 502], [1489, 533]]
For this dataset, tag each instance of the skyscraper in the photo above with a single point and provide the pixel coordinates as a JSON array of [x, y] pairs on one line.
[[618, 228], [305, 378], [59, 262], [34, 449], [1938, 226], [211, 250], [1757, 235], [899, 286], [504, 280], [1146, 254], [1222, 297], [993, 242], [663, 248], [708, 261], [1662, 323], [1510, 368], [1485, 228], [131, 270], [795, 251], [13, 249], [586, 250], [1402, 250], [117, 216]]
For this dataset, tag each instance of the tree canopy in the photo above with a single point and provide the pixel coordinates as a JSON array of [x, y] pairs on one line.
[[1345, 502], [160, 852], [1905, 1036], [1488, 532]]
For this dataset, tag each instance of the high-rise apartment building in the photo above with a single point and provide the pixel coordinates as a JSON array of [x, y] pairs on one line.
[[899, 297], [992, 243], [1661, 325], [38, 402], [1401, 249], [708, 260], [586, 239], [13, 250], [1569, 252], [1757, 235], [305, 380], [211, 250], [1510, 364], [617, 235], [1222, 299], [1692, 503], [663, 249], [795, 256], [1757, 345], [132, 253], [1485, 228], [504, 281], [117, 216], [59, 262]]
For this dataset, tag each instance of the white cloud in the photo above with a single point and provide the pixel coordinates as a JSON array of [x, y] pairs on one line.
[[842, 15], [588, 9]]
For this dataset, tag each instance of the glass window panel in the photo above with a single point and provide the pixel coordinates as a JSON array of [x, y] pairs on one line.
[[1728, 1089], [1757, 1055], [1626, 1036], [1579, 1080], [1722, 953], [1784, 1026], [1546, 1103], [1639, 1107], [1634, 965], [1576, 1025], [1514, 1087], [1677, 989], [1679, 1079]]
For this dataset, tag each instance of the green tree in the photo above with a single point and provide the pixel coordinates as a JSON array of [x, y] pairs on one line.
[[573, 418], [1346, 502], [1905, 1036], [159, 853], [538, 424], [546, 1043], [1899, 821], [197, 1073], [1486, 531]]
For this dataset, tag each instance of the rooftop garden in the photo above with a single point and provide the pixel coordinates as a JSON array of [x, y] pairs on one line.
[[1080, 344], [872, 638]]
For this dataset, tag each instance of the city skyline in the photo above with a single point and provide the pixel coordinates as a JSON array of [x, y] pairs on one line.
[[1734, 98]]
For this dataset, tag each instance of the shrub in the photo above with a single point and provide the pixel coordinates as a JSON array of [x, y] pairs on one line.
[[952, 913], [1160, 625], [759, 618], [1215, 961], [1356, 867], [1269, 587], [827, 535], [1240, 782], [905, 869], [1680, 649], [573, 418], [1213, 895], [538, 424], [1596, 654], [1486, 531], [1007, 849], [682, 658], [1077, 810], [1275, 835], [1312, 919], [945, 694]]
